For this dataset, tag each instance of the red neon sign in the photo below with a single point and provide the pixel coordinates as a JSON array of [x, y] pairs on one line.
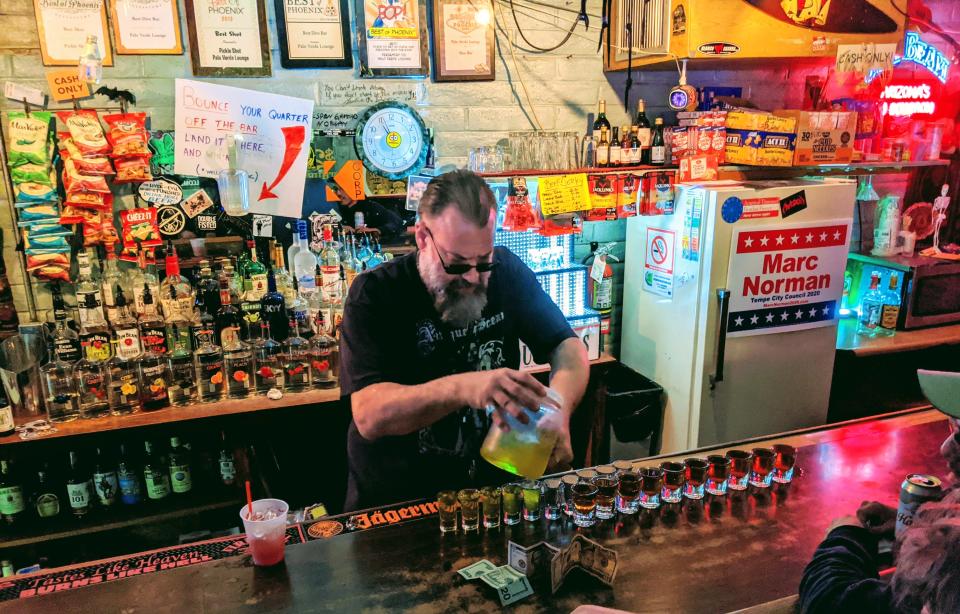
[[909, 99]]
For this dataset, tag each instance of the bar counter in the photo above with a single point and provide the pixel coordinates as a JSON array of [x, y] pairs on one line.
[[717, 555]]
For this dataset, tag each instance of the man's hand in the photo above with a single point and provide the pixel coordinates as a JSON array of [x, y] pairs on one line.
[[507, 390], [877, 518], [843, 521], [562, 454]]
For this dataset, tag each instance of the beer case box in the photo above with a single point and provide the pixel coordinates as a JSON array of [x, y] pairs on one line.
[[823, 137]]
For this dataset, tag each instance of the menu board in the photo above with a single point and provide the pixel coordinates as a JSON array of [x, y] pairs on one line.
[[314, 33], [564, 193], [63, 26], [146, 27], [392, 41], [228, 38], [274, 146]]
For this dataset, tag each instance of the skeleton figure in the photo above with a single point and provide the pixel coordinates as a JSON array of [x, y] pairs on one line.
[[940, 205]]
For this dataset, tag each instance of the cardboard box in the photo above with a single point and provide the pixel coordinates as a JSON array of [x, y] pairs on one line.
[[823, 137], [760, 120], [759, 148]]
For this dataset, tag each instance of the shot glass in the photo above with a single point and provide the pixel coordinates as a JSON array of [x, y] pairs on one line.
[[532, 491], [651, 483], [628, 492], [447, 506], [266, 530], [567, 482], [586, 475], [469, 499], [584, 504], [512, 503], [762, 472], [695, 477], [740, 462], [490, 498], [553, 503], [783, 463], [623, 466], [717, 474], [673, 479], [606, 483]]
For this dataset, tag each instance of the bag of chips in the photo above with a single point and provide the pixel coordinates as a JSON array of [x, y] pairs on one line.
[[99, 232], [132, 168], [51, 228], [31, 173], [28, 138], [36, 261], [86, 131], [34, 241], [127, 134], [33, 193], [31, 212], [140, 228], [90, 200], [98, 165], [75, 215], [75, 181]]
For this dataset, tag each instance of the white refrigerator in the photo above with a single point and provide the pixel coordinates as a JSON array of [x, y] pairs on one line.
[[731, 304]]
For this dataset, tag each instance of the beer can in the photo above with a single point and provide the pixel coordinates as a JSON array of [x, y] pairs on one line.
[[916, 490]]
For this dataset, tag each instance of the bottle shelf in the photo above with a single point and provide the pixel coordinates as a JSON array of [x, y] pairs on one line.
[[195, 411]]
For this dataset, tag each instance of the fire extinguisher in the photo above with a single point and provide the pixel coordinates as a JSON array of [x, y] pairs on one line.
[[600, 286]]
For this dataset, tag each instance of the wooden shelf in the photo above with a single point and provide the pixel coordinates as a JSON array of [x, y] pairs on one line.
[[902, 341], [67, 526], [196, 411]]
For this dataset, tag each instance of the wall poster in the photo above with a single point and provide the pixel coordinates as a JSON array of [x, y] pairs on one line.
[[63, 26], [228, 38], [314, 33], [393, 38], [463, 47], [146, 27]]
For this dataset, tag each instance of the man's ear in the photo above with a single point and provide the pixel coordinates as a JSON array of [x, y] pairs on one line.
[[420, 234]]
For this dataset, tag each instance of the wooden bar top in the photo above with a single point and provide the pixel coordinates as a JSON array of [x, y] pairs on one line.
[[716, 555], [903, 341]]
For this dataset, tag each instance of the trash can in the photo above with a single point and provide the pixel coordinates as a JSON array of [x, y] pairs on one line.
[[634, 406]]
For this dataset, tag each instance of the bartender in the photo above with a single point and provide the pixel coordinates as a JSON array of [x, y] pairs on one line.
[[382, 220], [430, 351]]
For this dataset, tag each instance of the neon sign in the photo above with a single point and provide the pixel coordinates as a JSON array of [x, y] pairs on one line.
[[922, 53], [908, 99]]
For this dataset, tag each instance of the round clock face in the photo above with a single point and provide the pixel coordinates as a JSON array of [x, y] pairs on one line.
[[392, 140]]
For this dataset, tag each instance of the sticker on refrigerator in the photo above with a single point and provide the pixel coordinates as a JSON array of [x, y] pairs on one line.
[[692, 218], [754, 208], [658, 262], [786, 277]]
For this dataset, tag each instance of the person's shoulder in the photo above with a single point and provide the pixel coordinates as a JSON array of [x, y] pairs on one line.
[[386, 277], [506, 259]]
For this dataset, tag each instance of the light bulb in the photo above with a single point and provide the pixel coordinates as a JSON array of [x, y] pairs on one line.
[[90, 66]]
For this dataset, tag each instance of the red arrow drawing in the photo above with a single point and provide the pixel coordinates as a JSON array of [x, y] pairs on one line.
[[293, 142]]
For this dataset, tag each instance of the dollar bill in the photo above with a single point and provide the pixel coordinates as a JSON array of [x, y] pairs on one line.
[[526, 559], [474, 571], [515, 591], [501, 577], [556, 571], [596, 560]]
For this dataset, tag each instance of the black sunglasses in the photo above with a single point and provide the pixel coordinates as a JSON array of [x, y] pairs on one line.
[[459, 268]]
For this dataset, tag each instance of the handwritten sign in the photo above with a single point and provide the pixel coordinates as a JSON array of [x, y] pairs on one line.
[[274, 144], [66, 85], [861, 59], [564, 193], [361, 94]]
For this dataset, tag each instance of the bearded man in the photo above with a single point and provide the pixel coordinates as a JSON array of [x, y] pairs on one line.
[[430, 350]]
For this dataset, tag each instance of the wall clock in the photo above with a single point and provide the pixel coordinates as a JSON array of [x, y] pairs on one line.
[[392, 140]]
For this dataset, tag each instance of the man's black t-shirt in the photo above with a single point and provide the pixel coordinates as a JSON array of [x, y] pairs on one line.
[[391, 332]]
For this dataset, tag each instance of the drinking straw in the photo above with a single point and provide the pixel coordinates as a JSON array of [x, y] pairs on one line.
[[249, 501]]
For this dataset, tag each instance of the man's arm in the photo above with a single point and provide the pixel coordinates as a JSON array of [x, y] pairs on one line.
[[569, 374]]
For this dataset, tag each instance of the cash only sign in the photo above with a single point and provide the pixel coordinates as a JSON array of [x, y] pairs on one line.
[[786, 277]]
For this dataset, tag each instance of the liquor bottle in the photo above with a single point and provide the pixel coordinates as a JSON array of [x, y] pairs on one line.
[[88, 292], [282, 276], [324, 356], [12, 504], [603, 150], [890, 310], [91, 382], [364, 253], [237, 365], [79, 489], [343, 247], [155, 378], [94, 332], [625, 146], [658, 149], [204, 321], [273, 309], [66, 342], [355, 265], [228, 316], [128, 479], [156, 476], [296, 361], [208, 360], [228, 469], [123, 384], [601, 121], [298, 310], [153, 331], [254, 280], [180, 358], [147, 278], [126, 332], [59, 388], [176, 294], [304, 262], [181, 481], [341, 304], [294, 248], [208, 289], [616, 151], [871, 308], [329, 266], [112, 279], [45, 500], [644, 133], [7, 425], [268, 372], [105, 483], [376, 258], [636, 149]]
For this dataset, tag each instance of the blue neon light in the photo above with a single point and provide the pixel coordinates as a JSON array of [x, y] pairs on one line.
[[926, 55]]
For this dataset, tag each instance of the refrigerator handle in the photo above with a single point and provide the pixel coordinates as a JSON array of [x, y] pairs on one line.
[[723, 300]]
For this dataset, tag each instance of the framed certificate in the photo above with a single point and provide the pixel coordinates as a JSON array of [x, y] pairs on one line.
[[463, 45], [146, 27], [228, 38], [314, 33], [393, 38], [63, 26]]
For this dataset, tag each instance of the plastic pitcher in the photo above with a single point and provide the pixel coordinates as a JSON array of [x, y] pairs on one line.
[[525, 449]]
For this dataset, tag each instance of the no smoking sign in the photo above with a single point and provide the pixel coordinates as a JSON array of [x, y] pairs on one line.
[[658, 262]]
